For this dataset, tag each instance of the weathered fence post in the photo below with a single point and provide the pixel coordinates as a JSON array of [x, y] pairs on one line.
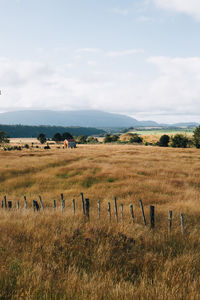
[[87, 208], [99, 208], [25, 203], [5, 202], [83, 203], [132, 214], [152, 216], [62, 203], [2, 204], [170, 221], [142, 209], [54, 204], [36, 205], [9, 204], [109, 211], [115, 205], [41, 202], [74, 206], [17, 204], [122, 212], [182, 223]]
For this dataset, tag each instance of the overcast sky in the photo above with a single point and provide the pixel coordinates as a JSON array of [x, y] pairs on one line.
[[135, 57]]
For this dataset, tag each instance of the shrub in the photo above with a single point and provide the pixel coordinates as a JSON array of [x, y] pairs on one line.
[[47, 147], [179, 141], [196, 137], [164, 141], [81, 139], [136, 139], [26, 146]]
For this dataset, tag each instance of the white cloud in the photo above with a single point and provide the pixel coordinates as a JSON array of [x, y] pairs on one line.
[[190, 7], [175, 90], [120, 11], [88, 50], [124, 52]]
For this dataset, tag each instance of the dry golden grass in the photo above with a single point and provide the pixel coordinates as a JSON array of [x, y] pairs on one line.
[[54, 255]]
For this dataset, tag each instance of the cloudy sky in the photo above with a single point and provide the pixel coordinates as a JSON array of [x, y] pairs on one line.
[[135, 57]]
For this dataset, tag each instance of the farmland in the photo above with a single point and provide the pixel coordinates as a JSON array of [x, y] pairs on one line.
[[55, 255]]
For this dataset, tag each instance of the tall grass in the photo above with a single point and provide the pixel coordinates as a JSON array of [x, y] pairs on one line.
[[54, 255]]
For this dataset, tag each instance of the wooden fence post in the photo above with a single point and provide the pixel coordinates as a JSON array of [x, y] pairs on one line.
[[41, 202], [9, 204], [132, 214], [142, 209], [170, 221], [54, 204], [83, 203], [36, 205], [152, 216], [25, 203], [109, 211], [87, 208], [182, 223], [2, 204], [99, 208], [5, 202], [62, 203], [74, 206], [17, 204], [115, 205], [122, 212]]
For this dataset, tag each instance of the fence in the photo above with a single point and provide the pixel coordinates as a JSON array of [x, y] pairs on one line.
[[85, 204]]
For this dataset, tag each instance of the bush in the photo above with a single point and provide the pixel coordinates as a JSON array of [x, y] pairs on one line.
[[92, 140], [47, 147], [110, 138], [81, 139], [196, 137], [136, 139], [179, 141], [26, 146], [164, 141]]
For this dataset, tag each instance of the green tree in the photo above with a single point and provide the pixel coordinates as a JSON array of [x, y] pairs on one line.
[[3, 137], [57, 137], [66, 136], [81, 139], [114, 138], [164, 141], [179, 141], [92, 140], [196, 137], [107, 138], [42, 138]]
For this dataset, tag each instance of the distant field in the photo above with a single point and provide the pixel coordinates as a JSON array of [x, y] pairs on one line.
[[54, 255], [163, 131]]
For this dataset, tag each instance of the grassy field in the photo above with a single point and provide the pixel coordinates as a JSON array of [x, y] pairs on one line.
[[55, 255]]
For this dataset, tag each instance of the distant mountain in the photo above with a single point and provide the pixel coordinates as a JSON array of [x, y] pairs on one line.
[[82, 118]]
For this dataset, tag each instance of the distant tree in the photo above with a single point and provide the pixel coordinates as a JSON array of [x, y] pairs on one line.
[[196, 137], [179, 141], [57, 137], [164, 141], [42, 138], [81, 139], [114, 138], [92, 140], [66, 136], [107, 138], [3, 137], [135, 139]]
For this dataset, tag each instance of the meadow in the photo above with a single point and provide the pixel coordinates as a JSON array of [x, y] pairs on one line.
[[55, 255]]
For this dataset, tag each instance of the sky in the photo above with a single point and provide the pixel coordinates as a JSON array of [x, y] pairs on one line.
[[135, 57]]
